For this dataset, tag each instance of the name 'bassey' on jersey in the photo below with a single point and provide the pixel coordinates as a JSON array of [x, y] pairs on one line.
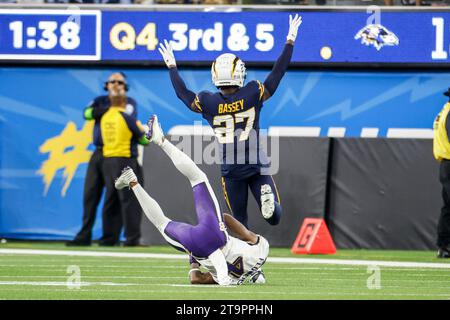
[[235, 121]]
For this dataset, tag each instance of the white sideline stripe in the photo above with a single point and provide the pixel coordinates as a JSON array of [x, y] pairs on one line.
[[97, 277], [62, 283], [270, 259], [364, 263], [93, 253]]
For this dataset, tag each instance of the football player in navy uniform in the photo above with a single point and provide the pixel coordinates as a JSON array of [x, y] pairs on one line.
[[233, 113]]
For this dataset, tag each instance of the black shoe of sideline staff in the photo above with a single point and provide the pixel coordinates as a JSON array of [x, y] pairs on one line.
[[77, 243], [107, 244], [131, 244], [444, 252]]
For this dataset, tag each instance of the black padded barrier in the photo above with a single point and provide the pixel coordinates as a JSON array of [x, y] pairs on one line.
[[373, 193], [384, 194]]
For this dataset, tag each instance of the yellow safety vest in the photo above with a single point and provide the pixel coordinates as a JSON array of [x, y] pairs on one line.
[[116, 134], [441, 145]]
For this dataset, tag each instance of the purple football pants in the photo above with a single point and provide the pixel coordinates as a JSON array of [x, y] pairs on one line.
[[207, 236]]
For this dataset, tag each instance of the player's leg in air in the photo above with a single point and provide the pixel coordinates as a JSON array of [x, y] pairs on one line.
[[206, 238], [263, 189], [266, 195]]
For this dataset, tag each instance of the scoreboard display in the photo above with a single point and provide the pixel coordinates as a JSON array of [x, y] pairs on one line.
[[325, 37], [50, 35]]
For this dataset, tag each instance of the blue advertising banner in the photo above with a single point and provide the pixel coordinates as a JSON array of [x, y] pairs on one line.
[[45, 143], [325, 37]]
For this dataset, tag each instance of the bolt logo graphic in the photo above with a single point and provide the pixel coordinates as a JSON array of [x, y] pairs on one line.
[[66, 151]]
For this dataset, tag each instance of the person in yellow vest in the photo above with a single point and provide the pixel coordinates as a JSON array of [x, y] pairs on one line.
[[441, 151], [94, 181], [121, 133]]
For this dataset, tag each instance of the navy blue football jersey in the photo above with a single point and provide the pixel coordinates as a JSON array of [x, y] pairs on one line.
[[235, 121]]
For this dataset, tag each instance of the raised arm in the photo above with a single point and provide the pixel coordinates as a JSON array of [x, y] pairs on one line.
[[279, 68], [183, 93]]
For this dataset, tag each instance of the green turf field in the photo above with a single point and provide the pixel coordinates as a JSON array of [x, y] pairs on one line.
[[29, 276]]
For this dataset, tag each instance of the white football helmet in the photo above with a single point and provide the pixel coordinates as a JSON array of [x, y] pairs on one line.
[[228, 70]]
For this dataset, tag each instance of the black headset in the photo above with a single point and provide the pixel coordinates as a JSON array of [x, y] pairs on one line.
[[127, 87]]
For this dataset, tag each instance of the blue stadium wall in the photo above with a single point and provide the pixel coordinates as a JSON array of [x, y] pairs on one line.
[[43, 200]]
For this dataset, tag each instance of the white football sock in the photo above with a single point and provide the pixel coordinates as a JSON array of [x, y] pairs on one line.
[[151, 208], [184, 164]]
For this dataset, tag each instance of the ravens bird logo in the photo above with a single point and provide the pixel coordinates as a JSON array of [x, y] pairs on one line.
[[377, 35]]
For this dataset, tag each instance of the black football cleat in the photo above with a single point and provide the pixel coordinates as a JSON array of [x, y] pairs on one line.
[[444, 252]]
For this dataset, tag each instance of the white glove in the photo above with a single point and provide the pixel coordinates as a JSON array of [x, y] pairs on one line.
[[167, 54], [294, 23]]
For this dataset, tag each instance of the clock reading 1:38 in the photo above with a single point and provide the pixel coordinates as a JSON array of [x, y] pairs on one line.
[[48, 36]]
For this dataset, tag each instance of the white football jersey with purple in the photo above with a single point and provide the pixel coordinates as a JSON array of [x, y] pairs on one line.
[[243, 259]]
